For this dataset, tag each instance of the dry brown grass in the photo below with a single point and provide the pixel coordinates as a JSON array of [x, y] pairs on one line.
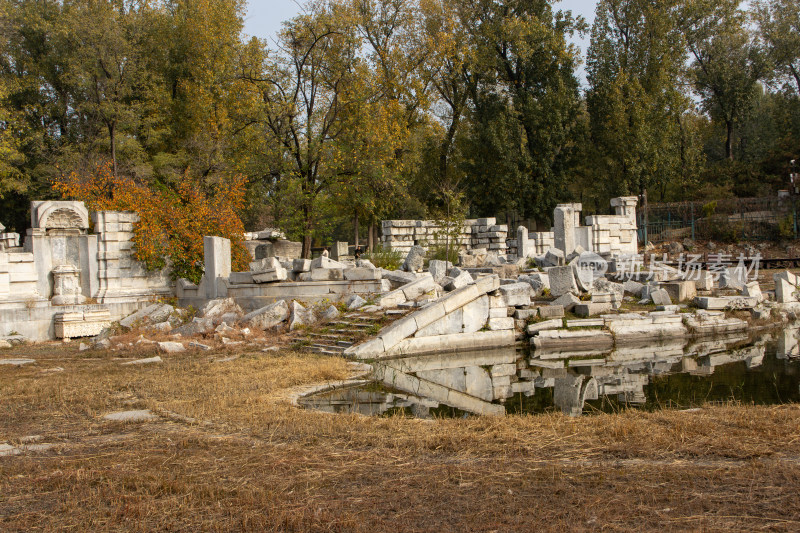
[[252, 462]]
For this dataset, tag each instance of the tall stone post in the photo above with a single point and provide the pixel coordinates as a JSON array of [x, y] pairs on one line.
[[523, 246], [217, 262], [564, 219], [626, 206]]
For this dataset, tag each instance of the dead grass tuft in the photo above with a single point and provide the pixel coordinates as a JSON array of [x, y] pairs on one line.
[[249, 461]]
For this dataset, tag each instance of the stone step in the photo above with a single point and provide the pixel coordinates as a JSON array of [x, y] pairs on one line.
[[325, 352]]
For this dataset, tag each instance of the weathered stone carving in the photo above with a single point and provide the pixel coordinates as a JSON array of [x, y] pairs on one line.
[[67, 286], [63, 218], [59, 216]]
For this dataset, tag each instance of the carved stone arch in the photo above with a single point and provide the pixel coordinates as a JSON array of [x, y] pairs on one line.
[[62, 215], [63, 218]]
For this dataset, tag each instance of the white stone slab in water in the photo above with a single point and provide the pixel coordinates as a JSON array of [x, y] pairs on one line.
[[16, 362], [143, 415]]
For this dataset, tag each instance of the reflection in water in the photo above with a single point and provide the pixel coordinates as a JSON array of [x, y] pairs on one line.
[[663, 374]]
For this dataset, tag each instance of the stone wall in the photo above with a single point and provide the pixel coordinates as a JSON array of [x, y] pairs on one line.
[[477, 234], [607, 235]]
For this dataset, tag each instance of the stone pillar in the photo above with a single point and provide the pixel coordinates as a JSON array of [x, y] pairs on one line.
[[523, 246], [625, 206], [217, 263], [564, 218], [340, 249]]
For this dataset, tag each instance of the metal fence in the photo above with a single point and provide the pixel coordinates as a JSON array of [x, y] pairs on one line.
[[733, 219]]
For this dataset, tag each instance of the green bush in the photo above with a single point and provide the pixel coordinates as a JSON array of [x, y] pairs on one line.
[[388, 259], [439, 251]]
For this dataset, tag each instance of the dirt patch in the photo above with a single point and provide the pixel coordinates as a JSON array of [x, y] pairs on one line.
[[228, 453]]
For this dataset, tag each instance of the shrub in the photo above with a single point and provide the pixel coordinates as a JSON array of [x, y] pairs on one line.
[[388, 259], [172, 223]]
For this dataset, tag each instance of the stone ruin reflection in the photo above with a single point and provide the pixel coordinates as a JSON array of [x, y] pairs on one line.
[[482, 382]]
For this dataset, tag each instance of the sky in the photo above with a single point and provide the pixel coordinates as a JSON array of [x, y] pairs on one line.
[[264, 17]]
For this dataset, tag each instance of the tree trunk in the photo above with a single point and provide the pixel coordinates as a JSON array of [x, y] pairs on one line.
[[729, 140], [112, 137], [373, 233], [306, 232], [355, 230]]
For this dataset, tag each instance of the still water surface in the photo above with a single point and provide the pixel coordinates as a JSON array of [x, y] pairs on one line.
[[762, 369]]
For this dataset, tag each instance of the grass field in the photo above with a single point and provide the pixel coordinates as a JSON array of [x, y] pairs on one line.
[[229, 453]]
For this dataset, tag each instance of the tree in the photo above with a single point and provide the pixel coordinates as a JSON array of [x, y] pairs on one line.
[[529, 97], [779, 27], [727, 62], [171, 223], [637, 101]]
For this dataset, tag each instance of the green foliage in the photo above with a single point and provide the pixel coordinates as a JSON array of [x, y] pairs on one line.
[[384, 258], [709, 209]]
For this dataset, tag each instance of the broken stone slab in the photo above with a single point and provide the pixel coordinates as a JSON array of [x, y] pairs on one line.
[[300, 316], [584, 277], [151, 314], [418, 287], [171, 347], [365, 263], [579, 250], [592, 309], [144, 415], [533, 329], [325, 262], [537, 287], [415, 259], [604, 285], [362, 274], [554, 258], [524, 314], [216, 309], [147, 361], [567, 302], [680, 291], [268, 317], [199, 346], [476, 314], [551, 311], [463, 279], [196, 327], [595, 339], [301, 265], [354, 301], [785, 292], [17, 362], [327, 274], [704, 280], [265, 264], [438, 269], [398, 276], [500, 324], [726, 302], [732, 278], [331, 313], [271, 276], [562, 281], [633, 287], [753, 290], [516, 294], [661, 297], [240, 278]]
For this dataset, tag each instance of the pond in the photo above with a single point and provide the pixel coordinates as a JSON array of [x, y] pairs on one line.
[[679, 374]]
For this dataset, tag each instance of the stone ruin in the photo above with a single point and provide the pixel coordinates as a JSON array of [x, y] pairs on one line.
[[66, 281], [606, 235]]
